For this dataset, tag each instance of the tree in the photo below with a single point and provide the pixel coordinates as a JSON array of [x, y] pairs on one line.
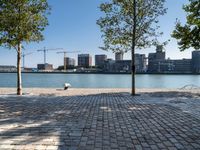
[[22, 21], [128, 24], [188, 35]]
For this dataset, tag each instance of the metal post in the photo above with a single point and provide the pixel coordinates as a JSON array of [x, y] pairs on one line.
[[45, 53], [133, 48]]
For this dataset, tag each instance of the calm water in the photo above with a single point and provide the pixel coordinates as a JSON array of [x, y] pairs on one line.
[[99, 81]]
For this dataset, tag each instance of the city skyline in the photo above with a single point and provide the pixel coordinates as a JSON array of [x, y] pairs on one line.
[[94, 60], [153, 63], [73, 27]]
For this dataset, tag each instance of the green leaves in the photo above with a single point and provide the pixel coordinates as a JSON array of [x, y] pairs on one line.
[[22, 21], [117, 23], [188, 35]]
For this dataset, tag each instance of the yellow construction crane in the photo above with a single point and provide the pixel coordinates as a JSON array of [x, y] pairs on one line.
[[65, 56]]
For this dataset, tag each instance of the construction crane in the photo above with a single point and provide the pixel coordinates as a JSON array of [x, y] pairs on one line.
[[65, 56], [23, 57], [45, 52]]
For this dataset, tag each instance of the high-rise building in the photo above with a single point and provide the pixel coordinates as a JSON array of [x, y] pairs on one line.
[[196, 61], [84, 60], [99, 60], [119, 56], [69, 62], [140, 63], [155, 58], [159, 55]]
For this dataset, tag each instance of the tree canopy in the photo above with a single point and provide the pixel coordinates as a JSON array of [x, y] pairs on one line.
[[117, 23], [22, 21], [188, 35]]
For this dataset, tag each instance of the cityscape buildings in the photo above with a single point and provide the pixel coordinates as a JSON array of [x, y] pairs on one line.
[[117, 66], [7, 68], [154, 59], [84, 60], [69, 62], [125, 65], [196, 61], [99, 60], [140, 63], [119, 56], [155, 63], [172, 66], [45, 67]]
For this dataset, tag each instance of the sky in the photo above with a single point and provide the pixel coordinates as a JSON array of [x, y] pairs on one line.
[[72, 26]]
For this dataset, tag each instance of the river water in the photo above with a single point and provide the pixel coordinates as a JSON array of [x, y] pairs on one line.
[[99, 80]]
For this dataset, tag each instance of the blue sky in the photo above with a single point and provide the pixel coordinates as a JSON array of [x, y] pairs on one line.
[[72, 26]]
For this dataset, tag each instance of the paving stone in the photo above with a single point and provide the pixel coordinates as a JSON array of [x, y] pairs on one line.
[[114, 121]]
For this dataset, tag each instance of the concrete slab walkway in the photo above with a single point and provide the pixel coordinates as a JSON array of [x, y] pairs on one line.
[[94, 122]]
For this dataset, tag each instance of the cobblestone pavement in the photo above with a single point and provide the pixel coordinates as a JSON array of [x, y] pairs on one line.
[[94, 122]]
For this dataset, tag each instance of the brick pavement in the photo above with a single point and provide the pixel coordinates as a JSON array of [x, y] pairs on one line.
[[94, 122]]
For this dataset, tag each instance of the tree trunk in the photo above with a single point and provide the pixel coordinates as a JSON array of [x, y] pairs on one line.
[[19, 76], [133, 92]]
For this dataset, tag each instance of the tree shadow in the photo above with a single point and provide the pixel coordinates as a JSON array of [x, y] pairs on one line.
[[173, 94], [82, 121]]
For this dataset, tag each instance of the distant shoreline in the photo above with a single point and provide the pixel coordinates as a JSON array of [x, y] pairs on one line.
[[106, 73]]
